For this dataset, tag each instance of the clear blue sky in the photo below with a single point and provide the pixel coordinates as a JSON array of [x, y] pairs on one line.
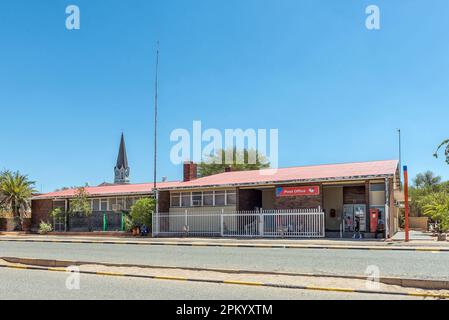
[[335, 90]]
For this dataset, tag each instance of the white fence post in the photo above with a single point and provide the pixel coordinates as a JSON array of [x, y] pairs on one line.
[[153, 225], [261, 222], [158, 223], [186, 225], [222, 223]]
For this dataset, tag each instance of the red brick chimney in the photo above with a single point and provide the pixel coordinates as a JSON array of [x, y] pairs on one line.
[[190, 171]]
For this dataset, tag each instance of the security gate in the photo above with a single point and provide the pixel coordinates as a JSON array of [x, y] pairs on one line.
[[304, 223]]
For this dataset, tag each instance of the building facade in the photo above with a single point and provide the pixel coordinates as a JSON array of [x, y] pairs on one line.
[[346, 194]]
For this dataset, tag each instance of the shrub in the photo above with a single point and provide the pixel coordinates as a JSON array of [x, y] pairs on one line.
[[141, 212], [436, 206], [56, 213], [81, 203], [128, 223], [45, 227]]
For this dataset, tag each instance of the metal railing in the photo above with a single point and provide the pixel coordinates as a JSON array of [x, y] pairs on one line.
[[291, 223], [96, 221]]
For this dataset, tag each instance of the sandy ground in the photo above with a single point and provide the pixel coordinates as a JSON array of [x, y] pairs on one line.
[[326, 282]]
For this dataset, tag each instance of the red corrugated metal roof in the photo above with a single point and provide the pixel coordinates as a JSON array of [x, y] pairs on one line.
[[342, 171], [107, 190]]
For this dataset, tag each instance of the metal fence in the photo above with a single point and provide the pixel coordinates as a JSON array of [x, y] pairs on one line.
[[294, 223], [97, 221]]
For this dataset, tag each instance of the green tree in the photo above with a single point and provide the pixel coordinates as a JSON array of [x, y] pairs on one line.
[[436, 206], [67, 188], [15, 193], [445, 145], [141, 211], [81, 202], [424, 184], [241, 160], [426, 180], [56, 213]]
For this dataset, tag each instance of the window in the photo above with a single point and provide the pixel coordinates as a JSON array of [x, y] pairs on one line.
[[129, 202], [197, 199], [377, 187], [231, 198], [104, 205], [203, 198], [121, 204], [96, 205], [175, 200], [185, 199], [112, 203], [135, 199], [220, 198], [59, 204], [208, 198]]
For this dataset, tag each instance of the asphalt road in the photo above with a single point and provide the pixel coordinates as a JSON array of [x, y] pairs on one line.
[[40, 285], [422, 265]]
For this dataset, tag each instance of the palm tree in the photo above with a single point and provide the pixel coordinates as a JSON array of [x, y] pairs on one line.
[[15, 191], [426, 180], [444, 144]]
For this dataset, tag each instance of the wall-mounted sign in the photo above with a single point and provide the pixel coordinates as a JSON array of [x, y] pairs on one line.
[[297, 191]]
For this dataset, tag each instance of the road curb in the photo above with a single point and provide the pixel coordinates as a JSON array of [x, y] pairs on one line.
[[402, 282], [235, 282], [236, 245]]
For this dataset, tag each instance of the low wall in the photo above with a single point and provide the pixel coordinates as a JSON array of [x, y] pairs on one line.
[[418, 223], [7, 224]]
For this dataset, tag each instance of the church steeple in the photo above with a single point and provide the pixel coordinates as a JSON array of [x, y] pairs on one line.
[[121, 170]]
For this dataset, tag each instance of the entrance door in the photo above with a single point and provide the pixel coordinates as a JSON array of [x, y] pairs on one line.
[[350, 212], [348, 215], [360, 211]]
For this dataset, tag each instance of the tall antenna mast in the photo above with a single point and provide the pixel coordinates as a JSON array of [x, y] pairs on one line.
[[400, 160], [155, 116]]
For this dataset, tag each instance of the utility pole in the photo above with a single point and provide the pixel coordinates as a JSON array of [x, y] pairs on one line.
[[155, 118], [400, 159]]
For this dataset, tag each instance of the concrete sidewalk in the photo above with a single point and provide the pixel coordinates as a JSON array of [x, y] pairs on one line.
[[371, 244]]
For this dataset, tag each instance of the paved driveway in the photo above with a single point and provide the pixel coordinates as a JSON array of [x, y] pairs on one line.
[[414, 235]]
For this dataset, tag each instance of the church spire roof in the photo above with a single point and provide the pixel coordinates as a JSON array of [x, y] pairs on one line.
[[121, 169], [122, 159]]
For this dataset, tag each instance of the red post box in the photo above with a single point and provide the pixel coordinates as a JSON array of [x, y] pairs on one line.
[[373, 219]]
